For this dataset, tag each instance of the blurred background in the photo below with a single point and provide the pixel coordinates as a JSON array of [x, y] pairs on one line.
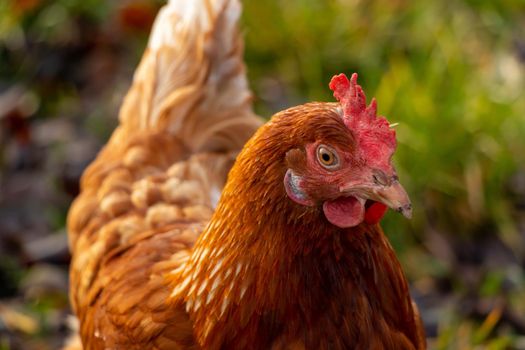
[[452, 74]]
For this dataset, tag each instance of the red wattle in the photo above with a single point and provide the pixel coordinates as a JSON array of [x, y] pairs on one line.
[[344, 212], [375, 212]]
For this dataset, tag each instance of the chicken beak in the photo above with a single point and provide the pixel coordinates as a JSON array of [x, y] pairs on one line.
[[395, 197]]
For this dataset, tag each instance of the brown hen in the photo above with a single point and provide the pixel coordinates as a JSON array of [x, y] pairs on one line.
[[290, 256]]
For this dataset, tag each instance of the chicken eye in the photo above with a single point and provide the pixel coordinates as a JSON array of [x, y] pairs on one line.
[[327, 157]]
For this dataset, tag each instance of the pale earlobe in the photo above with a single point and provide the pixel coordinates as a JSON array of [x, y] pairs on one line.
[[294, 190]]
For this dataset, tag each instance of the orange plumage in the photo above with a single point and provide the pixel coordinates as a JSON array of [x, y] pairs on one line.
[[285, 259]]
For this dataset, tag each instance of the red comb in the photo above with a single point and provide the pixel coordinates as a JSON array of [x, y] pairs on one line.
[[376, 139]]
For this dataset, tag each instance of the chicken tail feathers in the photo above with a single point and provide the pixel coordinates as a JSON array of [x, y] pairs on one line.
[[191, 80], [186, 115]]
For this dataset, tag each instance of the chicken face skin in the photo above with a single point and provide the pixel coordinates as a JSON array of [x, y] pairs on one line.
[[350, 189]]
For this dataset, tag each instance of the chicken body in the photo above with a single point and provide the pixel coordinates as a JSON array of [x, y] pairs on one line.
[[159, 262]]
